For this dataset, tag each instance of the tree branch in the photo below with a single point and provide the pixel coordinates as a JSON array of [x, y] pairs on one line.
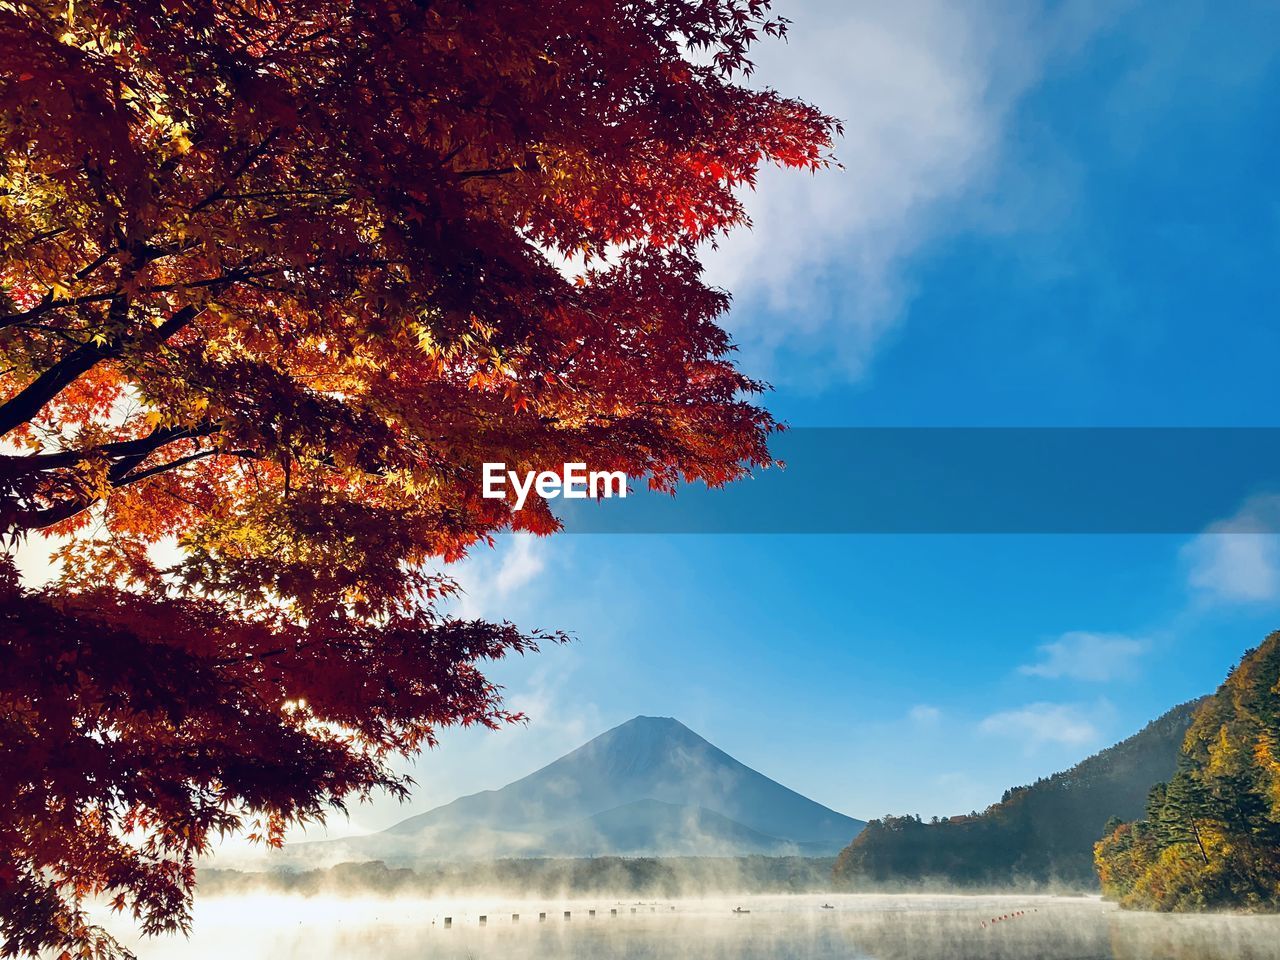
[[182, 462], [490, 172], [46, 304], [250, 159], [66, 509], [17, 464], [29, 401]]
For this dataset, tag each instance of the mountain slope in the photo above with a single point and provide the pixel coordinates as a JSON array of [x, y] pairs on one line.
[[1043, 833], [648, 827], [650, 785]]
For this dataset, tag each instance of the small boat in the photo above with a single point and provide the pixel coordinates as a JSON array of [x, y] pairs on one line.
[[740, 910], [828, 906]]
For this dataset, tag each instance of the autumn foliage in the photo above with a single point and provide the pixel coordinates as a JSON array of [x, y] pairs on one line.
[[133, 729], [1211, 836], [275, 279]]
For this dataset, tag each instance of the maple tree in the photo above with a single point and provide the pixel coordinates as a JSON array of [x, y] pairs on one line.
[[276, 278]]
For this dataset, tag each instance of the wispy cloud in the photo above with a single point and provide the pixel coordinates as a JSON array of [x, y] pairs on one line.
[[1096, 657], [1237, 560], [1037, 724], [523, 561], [924, 715], [489, 579], [923, 88]]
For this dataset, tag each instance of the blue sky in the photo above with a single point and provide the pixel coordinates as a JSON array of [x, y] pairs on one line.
[[1056, 214]]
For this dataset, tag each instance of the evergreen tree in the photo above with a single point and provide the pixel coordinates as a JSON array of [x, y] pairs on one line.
[[1211, 837]]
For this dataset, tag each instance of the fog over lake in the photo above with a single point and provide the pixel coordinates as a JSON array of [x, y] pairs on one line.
[[857, 927]]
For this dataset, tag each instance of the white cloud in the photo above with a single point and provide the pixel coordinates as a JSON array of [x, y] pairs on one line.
[[523, 561], [1236, 560], [1037, 724], [923, 88], [924, 714], [490, 579], [1078, 655]]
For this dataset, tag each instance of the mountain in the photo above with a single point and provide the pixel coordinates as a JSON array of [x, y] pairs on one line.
[[1040, 834], [649, 787], [646, 826], [1211, 836]]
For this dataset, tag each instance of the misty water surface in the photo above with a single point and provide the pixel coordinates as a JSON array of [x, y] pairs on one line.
[[858, 928]]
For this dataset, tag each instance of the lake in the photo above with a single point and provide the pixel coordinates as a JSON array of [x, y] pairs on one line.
[[858, 927]]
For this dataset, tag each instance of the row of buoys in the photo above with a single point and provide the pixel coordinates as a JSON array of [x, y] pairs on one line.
[[542, 917], [613, 912], [1004, 917]]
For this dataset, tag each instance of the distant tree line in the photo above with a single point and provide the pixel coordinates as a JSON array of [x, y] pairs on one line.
[[596, 876]]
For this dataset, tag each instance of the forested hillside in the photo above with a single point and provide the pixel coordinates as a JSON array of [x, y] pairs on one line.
[[1038, 834], [1211, 837]]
